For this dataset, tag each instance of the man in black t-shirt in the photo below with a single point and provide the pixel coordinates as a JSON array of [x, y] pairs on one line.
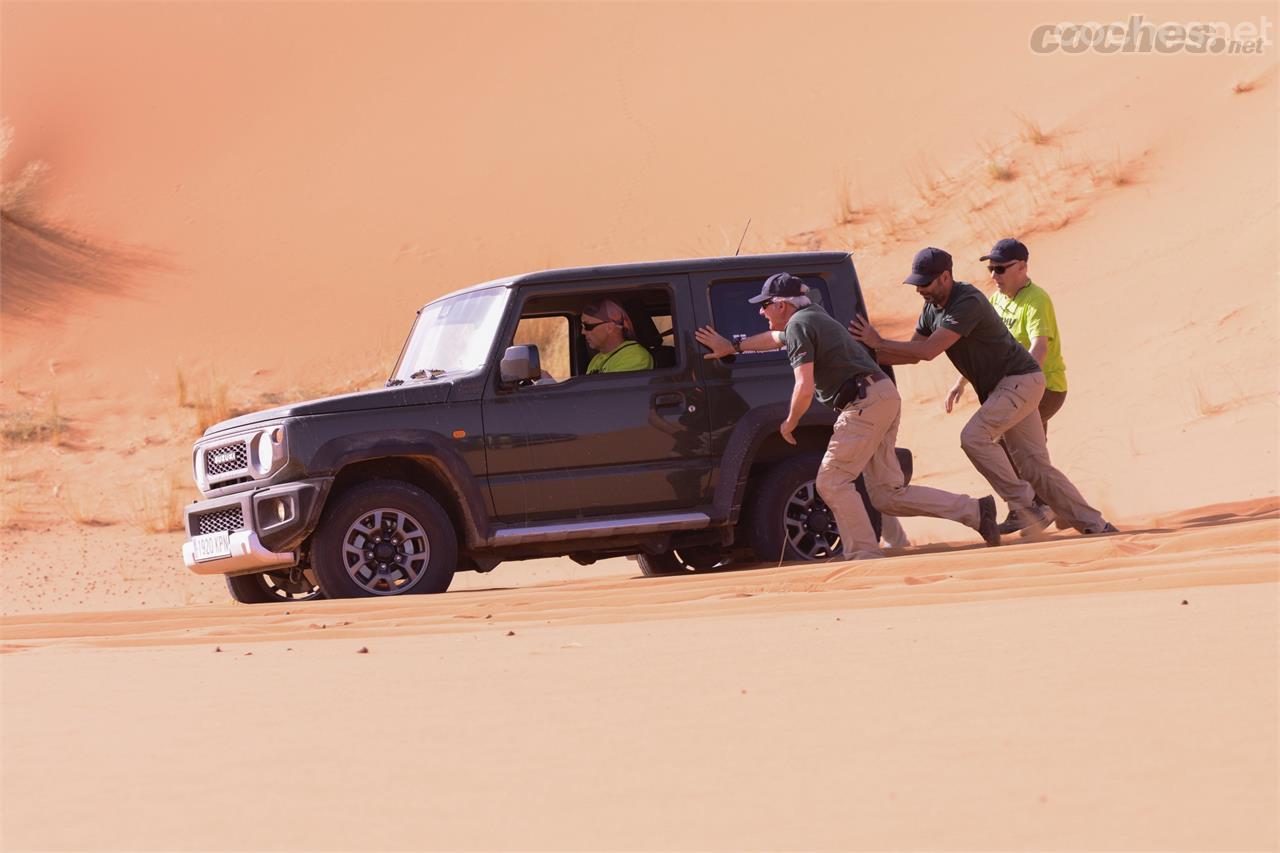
[[830, 364], [957, 319]]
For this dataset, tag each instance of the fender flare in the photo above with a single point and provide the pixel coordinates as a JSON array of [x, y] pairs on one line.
[[740, 451], [424, 448]]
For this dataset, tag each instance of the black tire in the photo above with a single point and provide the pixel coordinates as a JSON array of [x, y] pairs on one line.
[[384, 537], [682, 562], [788, 520], [275, 587]]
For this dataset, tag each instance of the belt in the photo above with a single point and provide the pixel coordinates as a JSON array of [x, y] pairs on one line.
[[855, 389]]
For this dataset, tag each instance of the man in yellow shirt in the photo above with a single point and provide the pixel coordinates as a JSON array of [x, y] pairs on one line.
[[1027, 312], [609, 332]]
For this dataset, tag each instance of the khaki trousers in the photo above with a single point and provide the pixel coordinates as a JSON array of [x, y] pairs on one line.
[[1012, 412], [1050, 403], [862, 443]]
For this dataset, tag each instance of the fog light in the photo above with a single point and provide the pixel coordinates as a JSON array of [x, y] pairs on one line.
[[282, 510]]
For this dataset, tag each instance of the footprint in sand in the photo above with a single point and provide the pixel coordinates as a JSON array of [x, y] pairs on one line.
[[910, 580]]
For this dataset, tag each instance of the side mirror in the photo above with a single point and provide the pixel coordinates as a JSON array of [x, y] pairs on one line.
[[520, 363]]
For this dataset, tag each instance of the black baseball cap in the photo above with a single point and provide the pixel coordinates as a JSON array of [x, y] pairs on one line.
[[928, 264], [1007, 250], [780, 284]]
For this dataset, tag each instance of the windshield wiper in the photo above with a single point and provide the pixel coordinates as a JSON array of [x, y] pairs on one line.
[[428, 373]]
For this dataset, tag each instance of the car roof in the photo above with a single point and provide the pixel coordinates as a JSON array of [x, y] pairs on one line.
[[778, 262]]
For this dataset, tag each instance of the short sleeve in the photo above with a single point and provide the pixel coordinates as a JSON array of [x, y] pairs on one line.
[[800, 344], [923, 326], [961, 317], [1041, 322]]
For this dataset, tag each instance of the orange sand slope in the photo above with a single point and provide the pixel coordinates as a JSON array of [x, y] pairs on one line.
[[271, 190], [1109, 693], [1238, 544], [326, 200]]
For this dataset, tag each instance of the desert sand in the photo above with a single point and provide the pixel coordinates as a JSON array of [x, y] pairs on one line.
[[254, 199]]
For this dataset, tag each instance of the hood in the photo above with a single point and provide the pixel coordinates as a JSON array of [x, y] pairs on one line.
[[416, 394]]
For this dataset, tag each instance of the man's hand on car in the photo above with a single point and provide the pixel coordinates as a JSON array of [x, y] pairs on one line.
[[719, 345], [786, 431], [862, 329]]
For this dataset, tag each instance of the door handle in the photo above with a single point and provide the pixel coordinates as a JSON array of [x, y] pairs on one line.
[[663, 400]]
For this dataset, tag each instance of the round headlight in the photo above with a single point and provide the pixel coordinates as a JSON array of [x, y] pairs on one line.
[[265, 453]]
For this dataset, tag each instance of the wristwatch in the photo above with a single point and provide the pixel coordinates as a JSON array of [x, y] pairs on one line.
[[737, 345]]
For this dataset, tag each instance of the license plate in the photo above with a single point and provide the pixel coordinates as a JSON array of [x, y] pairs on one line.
[[211, 546]]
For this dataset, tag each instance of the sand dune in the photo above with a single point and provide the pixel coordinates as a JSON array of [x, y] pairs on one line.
[[1118, 692], [258, 197]]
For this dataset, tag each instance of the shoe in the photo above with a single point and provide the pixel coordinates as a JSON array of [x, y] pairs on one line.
[[1107, 527], [1012, 525], [1031, 521], [987, 521]]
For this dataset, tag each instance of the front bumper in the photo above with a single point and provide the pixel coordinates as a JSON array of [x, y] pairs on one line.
[[247, 555], [265, 527]]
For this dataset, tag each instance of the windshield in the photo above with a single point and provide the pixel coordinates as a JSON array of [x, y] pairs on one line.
[[452, 335]]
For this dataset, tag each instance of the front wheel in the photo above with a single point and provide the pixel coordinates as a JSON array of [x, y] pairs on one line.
[[384, 538], [274, 587]]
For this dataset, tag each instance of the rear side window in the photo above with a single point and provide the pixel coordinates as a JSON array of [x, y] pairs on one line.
[[733, 316]]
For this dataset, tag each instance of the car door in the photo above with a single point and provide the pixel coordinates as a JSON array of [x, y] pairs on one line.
[[602, 444]]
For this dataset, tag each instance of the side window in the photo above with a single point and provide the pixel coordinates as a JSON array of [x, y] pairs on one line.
[[552, 322], [551, 336], [733, 315]]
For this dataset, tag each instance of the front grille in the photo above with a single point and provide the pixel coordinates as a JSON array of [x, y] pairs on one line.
[[227, 519], [226, 458]]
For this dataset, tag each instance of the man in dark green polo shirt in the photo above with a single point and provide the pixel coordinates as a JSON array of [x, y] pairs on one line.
[[958, 320], [828, 362], [1027, 312]]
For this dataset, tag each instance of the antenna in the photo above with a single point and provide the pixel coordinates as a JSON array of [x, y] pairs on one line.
[[744, 236]]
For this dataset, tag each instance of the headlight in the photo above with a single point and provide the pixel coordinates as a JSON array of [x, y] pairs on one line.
[[197, 463], [266, 450]]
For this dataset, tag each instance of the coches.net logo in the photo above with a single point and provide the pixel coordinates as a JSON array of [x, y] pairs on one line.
[[1138, 35]]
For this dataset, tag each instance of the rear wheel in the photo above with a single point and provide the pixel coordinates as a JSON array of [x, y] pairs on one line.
[[274, 587], [384, 538], [789, 521]]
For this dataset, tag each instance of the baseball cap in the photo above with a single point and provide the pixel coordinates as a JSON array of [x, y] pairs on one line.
[[1006, 250], [928, 264], [780, 284]]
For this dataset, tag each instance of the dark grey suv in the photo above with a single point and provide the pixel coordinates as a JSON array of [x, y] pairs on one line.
[[470, 457]]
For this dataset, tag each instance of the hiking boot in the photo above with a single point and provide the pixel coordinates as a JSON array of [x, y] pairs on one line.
[[1107, 527], [987, 521], [1012, 525], [1030, 521]]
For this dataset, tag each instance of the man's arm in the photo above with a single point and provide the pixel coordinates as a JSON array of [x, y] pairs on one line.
[[721, 346], [1039, 349], [886, 357], [801, 397], [919, 348]]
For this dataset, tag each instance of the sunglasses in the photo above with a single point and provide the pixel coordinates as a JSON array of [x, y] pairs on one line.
[[999, 269], [767, 303], [591, 327]]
